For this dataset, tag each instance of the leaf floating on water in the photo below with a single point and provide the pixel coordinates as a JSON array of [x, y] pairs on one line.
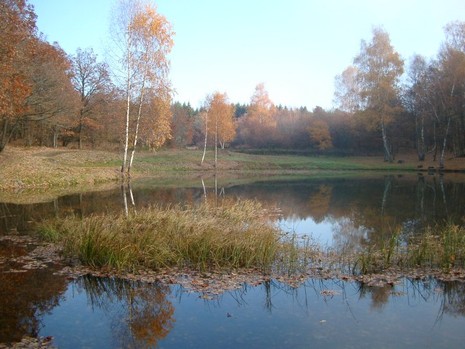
[[329, 293]]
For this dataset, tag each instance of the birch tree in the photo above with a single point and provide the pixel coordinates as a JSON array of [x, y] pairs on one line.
[[417, 102], [452, 73], [143, 39], [378, 70], [347, 91], [220, 113]]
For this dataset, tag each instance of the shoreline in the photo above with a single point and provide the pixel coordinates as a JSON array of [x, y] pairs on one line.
[[212, 282], [24, 170]]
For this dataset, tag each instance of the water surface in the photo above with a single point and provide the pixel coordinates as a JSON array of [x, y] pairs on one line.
[[107, 313], [343, 212]]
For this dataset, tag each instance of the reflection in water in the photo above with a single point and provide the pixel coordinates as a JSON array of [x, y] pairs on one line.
[[449, 295], [25, 295], [320, 313], [354, 212], [110, 313], [25, 298], [140, 314], [453, 300], [125, 191], [364, 212]]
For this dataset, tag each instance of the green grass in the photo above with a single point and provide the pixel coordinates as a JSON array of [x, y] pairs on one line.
[[234, 235], [189, 160], [44, 169]]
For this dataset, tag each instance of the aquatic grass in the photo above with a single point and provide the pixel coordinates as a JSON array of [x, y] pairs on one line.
[[441, 247], [232, 235], [296, 254], [236, 235]]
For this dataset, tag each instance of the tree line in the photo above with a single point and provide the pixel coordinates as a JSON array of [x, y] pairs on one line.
[[382, 105]]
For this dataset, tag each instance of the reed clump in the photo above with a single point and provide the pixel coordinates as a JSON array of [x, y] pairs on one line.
[[232, 235], [441, 247]]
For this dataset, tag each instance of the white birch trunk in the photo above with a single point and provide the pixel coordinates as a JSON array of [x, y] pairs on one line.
[[205, 143], [128, 105], [444, 144], [387, 152], [136, 133]]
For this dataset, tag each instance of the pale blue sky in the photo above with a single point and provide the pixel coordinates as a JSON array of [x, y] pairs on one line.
[[295, 47]]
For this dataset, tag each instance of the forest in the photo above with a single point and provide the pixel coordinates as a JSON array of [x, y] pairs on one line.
[[383, 103]]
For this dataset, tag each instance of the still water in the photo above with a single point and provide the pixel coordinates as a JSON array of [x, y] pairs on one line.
[[109, 313]]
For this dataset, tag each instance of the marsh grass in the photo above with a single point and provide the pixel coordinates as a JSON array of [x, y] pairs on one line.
[[237, 235], [296, 254], [441, 247], [233, 235]]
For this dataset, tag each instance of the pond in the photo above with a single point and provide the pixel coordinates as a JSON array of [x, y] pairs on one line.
[[340, 212]]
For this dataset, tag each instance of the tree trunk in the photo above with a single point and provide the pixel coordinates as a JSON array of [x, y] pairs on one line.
[[420, 132], [126, 137], [205, 143], [216, 142], [136, 133], [55, 136], [444, 144], [128, 105], [3, 135], [6, 133], [435, 152], [387, 151], [81, 113], [460, 136]]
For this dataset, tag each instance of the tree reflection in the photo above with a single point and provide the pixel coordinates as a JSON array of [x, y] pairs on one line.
[[319, 203], [379, 204], [140, 312], [453, 300], [401, 206], [450, 294], [347, 237], [379, 295], [25, 297]]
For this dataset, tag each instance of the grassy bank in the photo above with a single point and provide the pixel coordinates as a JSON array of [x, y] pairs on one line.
[[54, 169], [42, 174], [234, 235], [45, 168]]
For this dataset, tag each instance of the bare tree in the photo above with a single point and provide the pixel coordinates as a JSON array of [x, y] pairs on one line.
[[90, 79]]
